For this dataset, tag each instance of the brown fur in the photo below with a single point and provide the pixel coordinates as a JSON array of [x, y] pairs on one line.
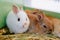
[[37, 20]]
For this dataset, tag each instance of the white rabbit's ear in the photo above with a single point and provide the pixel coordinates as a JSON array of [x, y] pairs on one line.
[[21, 7], [15, 9]]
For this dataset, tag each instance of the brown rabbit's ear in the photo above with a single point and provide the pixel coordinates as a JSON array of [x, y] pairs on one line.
[[15, 9], [41, 16]]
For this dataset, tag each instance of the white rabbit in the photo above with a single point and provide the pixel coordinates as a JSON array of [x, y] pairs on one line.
[[17, 20]]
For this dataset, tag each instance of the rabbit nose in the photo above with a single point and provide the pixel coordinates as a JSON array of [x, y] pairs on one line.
[[50, 31], [24, 24]]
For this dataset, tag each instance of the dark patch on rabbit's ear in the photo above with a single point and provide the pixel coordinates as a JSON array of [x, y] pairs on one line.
[[15, 9], [34, 12], [41, 16]]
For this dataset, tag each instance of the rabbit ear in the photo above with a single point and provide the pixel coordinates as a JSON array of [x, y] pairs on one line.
[[41, 16], [15, 9], [21, 7]]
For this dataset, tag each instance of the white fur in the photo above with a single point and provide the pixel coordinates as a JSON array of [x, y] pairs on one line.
[[17, 26]]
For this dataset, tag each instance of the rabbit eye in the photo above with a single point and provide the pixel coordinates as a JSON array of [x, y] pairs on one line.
[[44, 26], [18, 19]]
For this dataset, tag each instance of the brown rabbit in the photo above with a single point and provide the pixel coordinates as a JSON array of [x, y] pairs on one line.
[[39, 22]]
